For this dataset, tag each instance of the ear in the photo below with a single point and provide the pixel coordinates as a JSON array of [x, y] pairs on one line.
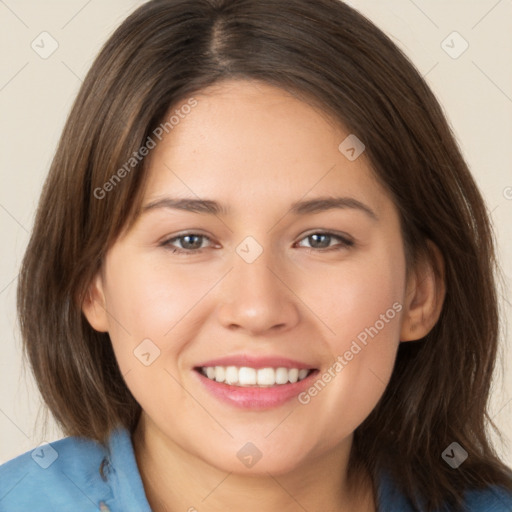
[[424, 296], [94, 305]]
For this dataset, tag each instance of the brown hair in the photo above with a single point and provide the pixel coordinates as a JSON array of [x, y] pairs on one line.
[[328, 54]]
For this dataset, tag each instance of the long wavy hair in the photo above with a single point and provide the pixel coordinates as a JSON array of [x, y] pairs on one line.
[[329, 55]]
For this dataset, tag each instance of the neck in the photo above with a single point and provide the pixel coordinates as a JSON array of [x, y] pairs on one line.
[[176, 480]]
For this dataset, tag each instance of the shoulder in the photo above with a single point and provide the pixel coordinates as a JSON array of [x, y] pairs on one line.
[[55, 476], [492, 499]]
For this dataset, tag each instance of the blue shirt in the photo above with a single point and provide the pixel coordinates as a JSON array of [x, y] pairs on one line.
[[80, 475]]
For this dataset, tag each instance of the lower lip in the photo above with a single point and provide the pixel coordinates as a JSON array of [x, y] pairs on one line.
[[253, 397]]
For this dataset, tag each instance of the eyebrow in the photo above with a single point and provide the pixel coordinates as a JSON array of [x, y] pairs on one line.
[[208, 206]]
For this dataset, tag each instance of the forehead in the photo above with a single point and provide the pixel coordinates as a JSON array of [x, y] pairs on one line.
[[251, 144]]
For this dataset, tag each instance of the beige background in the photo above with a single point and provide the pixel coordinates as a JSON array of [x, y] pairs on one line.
[[475, 90]]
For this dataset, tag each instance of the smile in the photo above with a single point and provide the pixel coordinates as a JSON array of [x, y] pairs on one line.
[[254, 388], [258, 377]]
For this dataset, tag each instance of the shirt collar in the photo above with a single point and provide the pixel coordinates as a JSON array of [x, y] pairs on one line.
[[121, 470]]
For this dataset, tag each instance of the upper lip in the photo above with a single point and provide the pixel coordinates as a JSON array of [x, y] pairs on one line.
[[256, 362]]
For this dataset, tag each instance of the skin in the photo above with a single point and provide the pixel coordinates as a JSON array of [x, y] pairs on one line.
[[257, 149]]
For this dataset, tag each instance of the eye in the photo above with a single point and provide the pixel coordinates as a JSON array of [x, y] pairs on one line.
[[191, 243], [320, 241]]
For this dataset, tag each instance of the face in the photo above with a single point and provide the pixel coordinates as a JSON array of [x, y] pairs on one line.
[[306, 288]]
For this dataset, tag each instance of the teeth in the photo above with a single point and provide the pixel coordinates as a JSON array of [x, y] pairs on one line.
[[262, 377], [220, 374]]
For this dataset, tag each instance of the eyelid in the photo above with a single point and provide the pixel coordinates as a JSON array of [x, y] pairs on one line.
[[320, 231], [346, 241], [166, 241]]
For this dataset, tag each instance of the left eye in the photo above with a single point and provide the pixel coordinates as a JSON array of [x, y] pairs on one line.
[[345, 242], [191, 243]]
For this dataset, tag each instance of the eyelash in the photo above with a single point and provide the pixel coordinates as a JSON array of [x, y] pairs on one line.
[[346, 243]]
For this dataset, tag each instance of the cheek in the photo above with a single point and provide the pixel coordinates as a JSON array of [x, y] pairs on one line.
[[363, 337], [149, 328], [359, 295], [147, 302], [366, 323], [149, 295]]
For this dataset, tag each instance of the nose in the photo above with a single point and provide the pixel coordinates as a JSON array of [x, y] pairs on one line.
[[257, 297]]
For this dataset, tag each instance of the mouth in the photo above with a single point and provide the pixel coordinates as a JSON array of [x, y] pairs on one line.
[[245, 376], [254, 388]]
